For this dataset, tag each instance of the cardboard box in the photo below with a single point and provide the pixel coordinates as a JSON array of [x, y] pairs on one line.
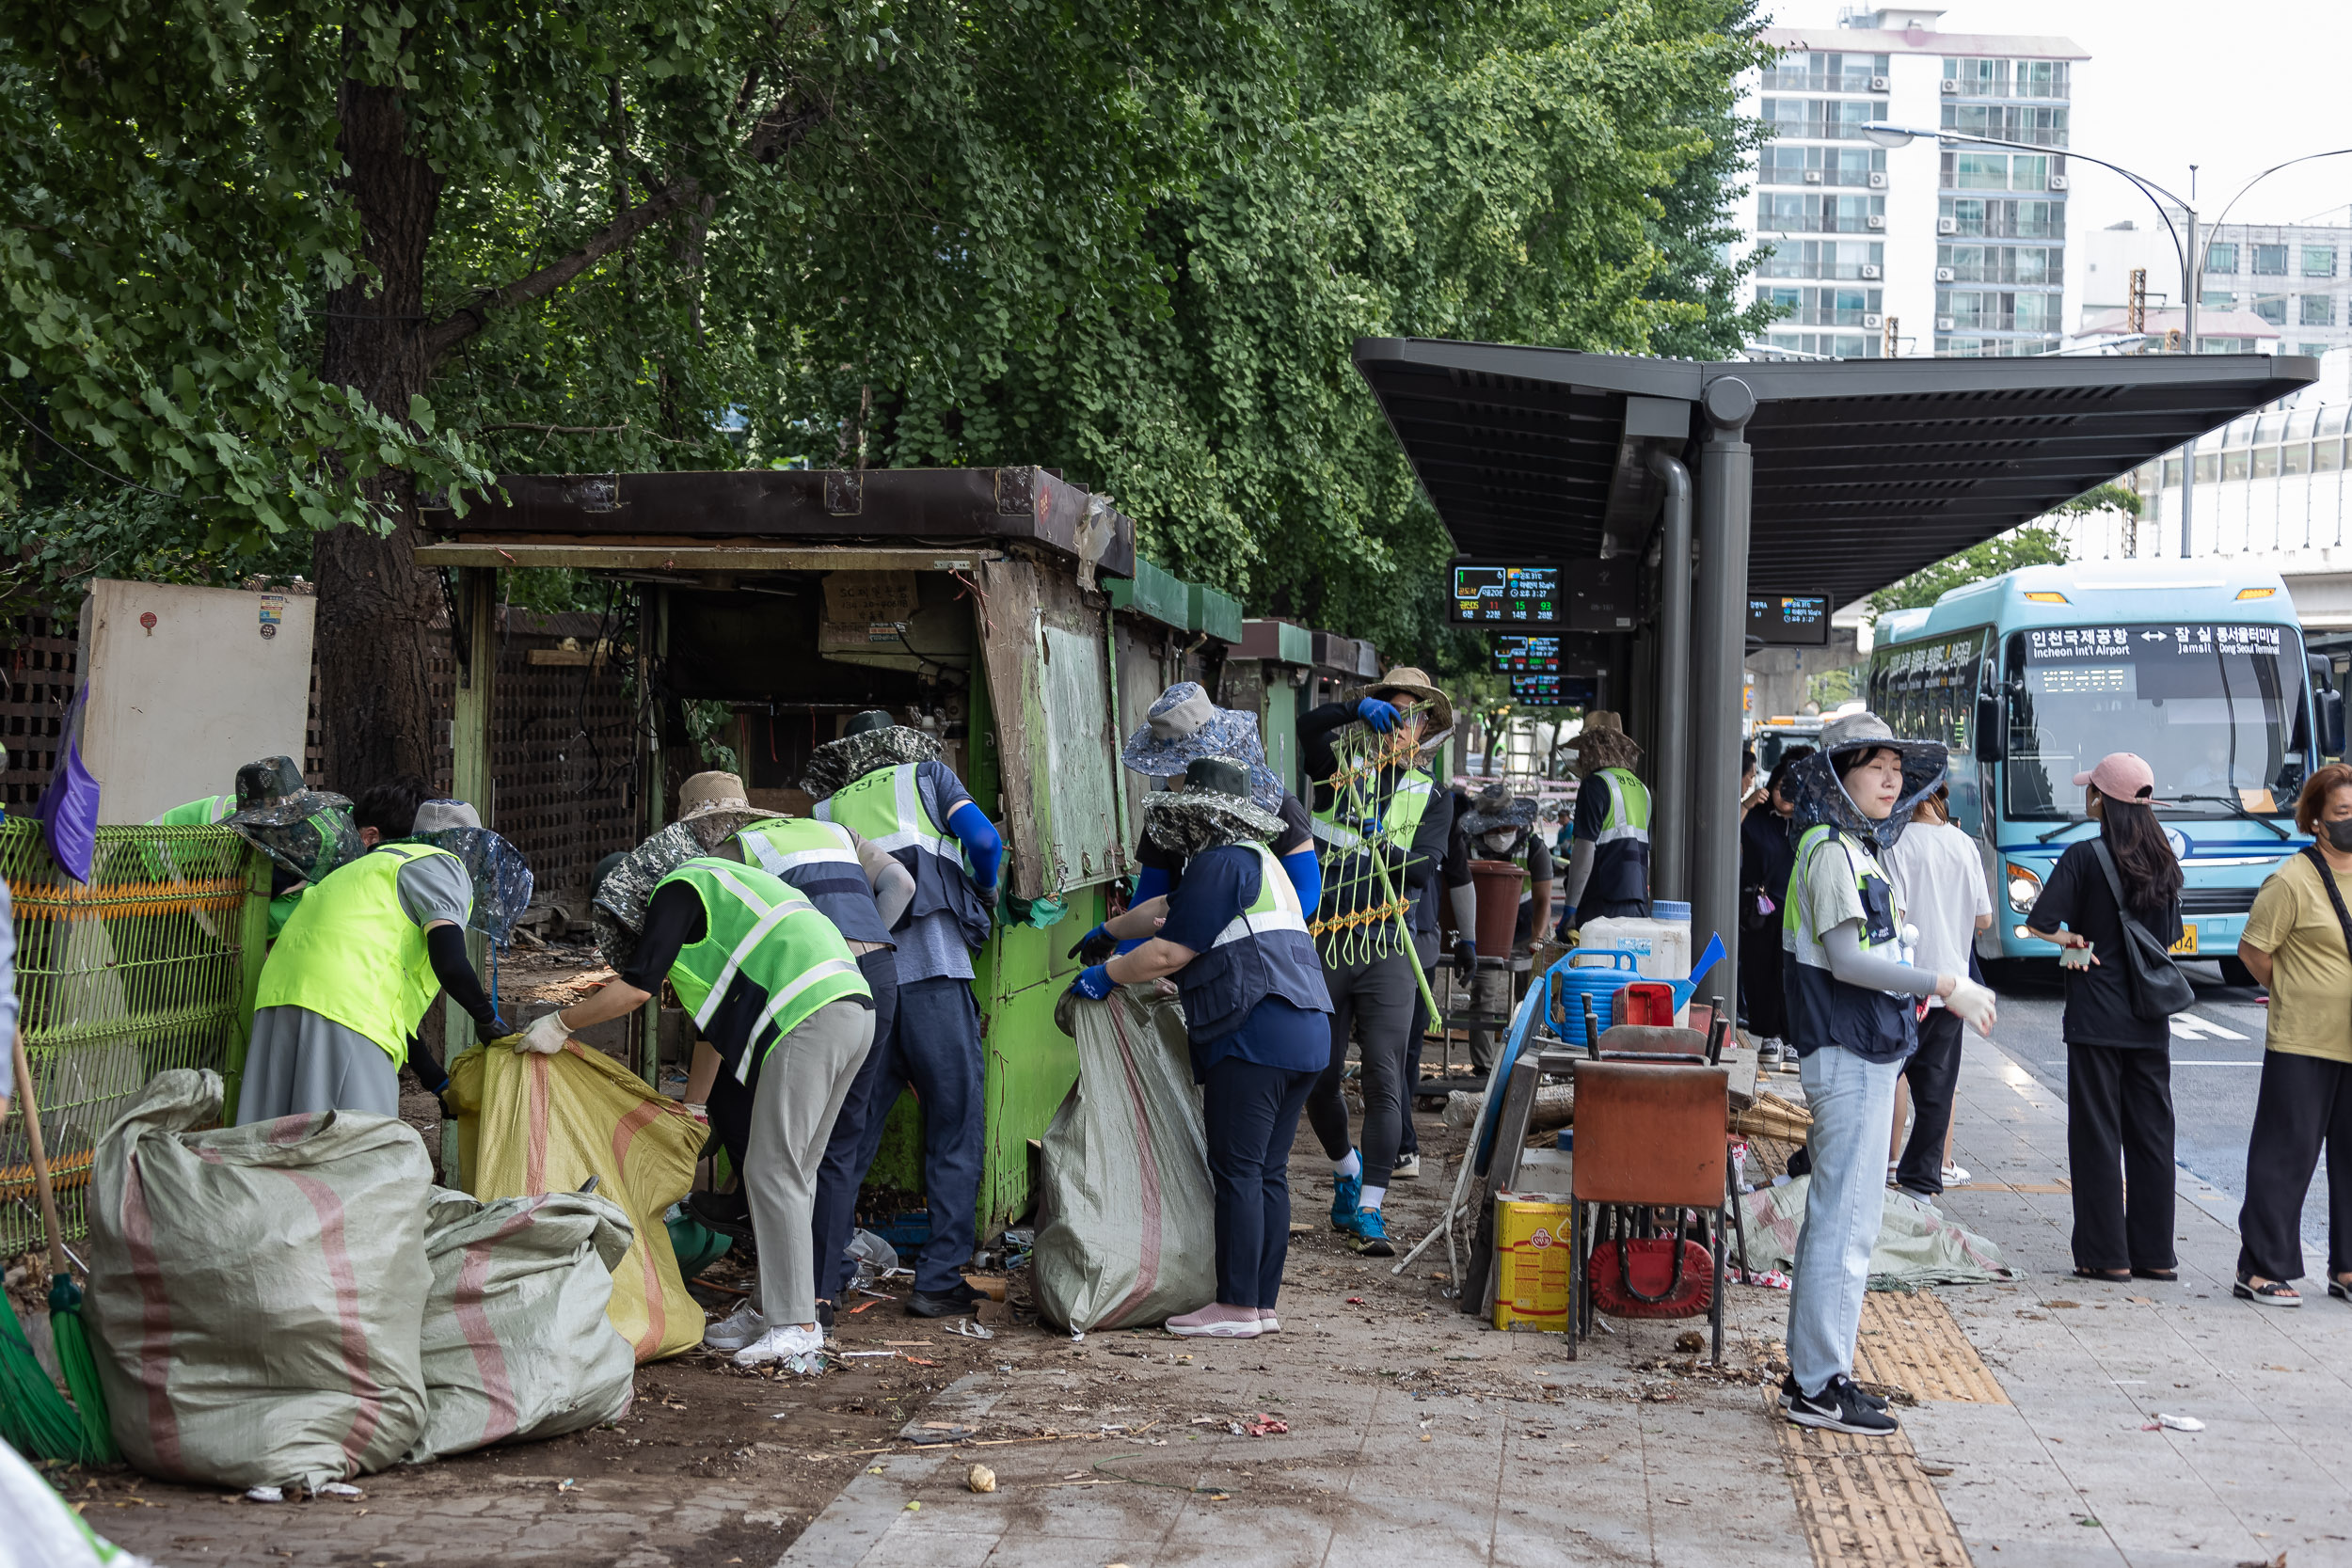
[[1532, 1234]]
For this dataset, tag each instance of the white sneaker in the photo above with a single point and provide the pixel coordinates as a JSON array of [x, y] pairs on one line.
[[1407, 1168], [736, 1330], [1269, 1323], [1891, 1166], [799, 1349], [1955, 1177]]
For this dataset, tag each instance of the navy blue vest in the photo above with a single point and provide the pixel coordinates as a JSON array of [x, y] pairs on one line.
[[817, 858], [1262, 951]]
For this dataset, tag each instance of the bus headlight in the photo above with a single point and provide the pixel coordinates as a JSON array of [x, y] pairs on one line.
[[2024, 886]]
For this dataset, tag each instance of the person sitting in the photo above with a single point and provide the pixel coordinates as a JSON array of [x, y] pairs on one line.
[[1255, 1006], [360, 960]]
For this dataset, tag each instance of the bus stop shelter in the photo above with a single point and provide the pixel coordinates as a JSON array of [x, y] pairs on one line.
[[1834, 478]]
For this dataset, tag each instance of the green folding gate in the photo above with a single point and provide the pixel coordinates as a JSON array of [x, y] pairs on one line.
[[151, 965]]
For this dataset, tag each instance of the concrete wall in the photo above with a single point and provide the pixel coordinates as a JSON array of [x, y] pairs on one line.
[[1781, 673]]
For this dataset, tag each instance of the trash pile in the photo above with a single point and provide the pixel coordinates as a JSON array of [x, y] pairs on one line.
[[286, 1304]]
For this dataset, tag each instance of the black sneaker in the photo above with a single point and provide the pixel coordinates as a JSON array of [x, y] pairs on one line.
[[728, 1214], [1840, 1407], [1789, 1392], [961, 1302], [824, 1314]]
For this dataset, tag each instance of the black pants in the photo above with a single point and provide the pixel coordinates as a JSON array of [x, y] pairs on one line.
[[1250, 1114], [1933, 1072], [1373, 1003], [1761, 993], [2304, 1101], [1408, 1141], [2119, 1128]]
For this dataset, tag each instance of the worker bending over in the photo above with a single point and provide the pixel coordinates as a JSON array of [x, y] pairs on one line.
[[1609, 861], [884, 782], [360, 959], [775, 992], [306, 833], [1367, 967]]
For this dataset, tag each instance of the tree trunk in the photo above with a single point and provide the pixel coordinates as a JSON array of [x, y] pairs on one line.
[[375, 608]]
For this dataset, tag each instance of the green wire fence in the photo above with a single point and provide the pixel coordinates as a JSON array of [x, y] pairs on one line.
[[150, 966]]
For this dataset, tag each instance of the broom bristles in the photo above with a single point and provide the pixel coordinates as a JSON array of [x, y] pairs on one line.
[[70, 1335], [34, 1415]]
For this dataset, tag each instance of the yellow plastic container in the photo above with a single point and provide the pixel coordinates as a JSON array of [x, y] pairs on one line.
[[1531, 1239]]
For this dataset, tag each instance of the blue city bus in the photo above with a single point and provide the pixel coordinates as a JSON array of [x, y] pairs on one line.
[[2032, 677]]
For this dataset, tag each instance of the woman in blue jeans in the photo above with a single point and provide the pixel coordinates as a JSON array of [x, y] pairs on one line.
[[1257, 1015], [1851, 1020]]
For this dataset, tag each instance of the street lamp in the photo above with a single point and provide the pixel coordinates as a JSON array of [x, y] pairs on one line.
[[2184, 246]]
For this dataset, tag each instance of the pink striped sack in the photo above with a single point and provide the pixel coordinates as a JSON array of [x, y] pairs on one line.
[[257, 1292], [516, 1343], [1126, 1220]]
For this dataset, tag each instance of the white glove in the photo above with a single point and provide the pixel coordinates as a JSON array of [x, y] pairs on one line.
[[547, 1035], [1973, 1002]]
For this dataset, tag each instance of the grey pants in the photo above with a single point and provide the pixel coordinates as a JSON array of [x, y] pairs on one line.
[[801, 1085]]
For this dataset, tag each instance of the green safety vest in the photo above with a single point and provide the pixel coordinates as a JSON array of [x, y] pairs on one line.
[[351, 953], [198, 814], [819, 858], [1275, 909], [1629, 808], [766, 946], [886, 807], [1823, 1009], [1408, 803]]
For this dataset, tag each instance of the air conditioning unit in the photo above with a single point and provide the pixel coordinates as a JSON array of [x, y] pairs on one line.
[[1870, 269], [1877, 220], [1950, 85], [1878, 180], [1874, 323], [1813, 177], [1948, 226], [1943, 275], [1943, 323], [1878, 83], [2059, 182]]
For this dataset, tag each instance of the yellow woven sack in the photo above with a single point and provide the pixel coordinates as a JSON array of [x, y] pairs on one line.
[[528, 1124]]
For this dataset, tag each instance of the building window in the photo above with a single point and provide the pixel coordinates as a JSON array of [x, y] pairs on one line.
[[1830, 259], [2002, 264], [2217, 299], [2039, 79], [1825, 73], [2040, 125], [2270, 261], [2204, 467], [2319, 261], [1978, 78], [2271, 307], [2310, 350], [2221, 258], [1979, 171], [2295, 459], [2267, 463], [2315, 310], [2327, 457], [2233, 465], [1977, 217], [2172, 473]]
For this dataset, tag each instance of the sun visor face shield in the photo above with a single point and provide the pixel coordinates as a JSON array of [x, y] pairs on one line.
[[500, 877]]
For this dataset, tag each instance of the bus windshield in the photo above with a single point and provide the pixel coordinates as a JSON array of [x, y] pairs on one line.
[[2211, 707]]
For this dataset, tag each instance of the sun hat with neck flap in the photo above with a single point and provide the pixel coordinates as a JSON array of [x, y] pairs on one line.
[[871, 739], [1212, 809], [1183, 725], [1603, 743], [1816, 781]]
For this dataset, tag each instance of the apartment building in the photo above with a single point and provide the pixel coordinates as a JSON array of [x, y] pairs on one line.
[[2267, 287], [1922, 248]]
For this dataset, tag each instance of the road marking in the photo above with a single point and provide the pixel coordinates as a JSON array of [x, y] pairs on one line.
[[2189, 1026]]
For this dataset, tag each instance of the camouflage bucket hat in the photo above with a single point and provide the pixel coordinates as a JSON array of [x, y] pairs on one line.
[[870, 740], [1496, 810], [307, 831], [618, 909], [1212, 810]]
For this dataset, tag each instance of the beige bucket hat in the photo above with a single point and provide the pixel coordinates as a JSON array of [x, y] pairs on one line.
[[1406, 680], [708, 795]]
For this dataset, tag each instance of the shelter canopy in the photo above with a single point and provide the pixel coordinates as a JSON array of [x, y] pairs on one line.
[[1864, 469]]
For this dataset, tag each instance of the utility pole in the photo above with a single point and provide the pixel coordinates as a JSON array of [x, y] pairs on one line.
[[2196, 271], [1886, 349], [2135, 302]]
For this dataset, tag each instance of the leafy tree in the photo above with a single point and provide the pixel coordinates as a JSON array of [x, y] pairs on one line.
[[2030, 545]]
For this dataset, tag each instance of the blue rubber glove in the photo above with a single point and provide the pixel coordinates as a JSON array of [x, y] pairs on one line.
[[1094, 983], [1379, 715], [1095, 947], [1567, 922]]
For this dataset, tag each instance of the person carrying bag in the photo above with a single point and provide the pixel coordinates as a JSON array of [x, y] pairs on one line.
[[2117, 898]]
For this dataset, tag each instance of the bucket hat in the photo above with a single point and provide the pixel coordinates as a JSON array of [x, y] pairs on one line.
[[1821, 797], [707, 795], [870, 739], [1496, 810], [1603, 743], [1412, 682], [1212, 809], [309, 832], [1183, 725], [617, 908], [502, 878]]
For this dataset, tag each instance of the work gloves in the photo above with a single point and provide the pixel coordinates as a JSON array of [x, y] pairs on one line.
[[546, 1036], [1379, 715], [1095, 947], [1465, 957], [1973, 1002], [1094, 983]]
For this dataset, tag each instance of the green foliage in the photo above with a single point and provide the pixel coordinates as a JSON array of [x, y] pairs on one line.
[[2030, 545], [1131, 239], [2105, 497]]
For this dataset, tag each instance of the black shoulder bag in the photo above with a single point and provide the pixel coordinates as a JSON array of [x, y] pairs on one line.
[[2158, 988], [2335, 897]]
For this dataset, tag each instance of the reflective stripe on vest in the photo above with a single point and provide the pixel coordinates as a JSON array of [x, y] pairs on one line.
[[350, 952], [1275, 909], [1629, 809], [197, 813], [900, 823], [1810, 843], [1408, 803], [771, 935], [821, 860]]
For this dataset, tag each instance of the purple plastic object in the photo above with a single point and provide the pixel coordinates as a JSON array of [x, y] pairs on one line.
[[68, 808]]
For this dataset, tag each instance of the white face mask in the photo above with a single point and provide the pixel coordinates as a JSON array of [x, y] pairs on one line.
[[1499, 843]]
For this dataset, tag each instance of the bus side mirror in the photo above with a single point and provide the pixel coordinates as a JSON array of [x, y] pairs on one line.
[[2328, 698], [1990, 733]]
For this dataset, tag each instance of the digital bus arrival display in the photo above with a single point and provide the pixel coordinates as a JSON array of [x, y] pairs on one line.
[[1503, 594], [1514, 655], [1789, 620]]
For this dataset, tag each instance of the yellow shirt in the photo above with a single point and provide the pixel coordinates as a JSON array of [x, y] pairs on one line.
[[2311, 988]]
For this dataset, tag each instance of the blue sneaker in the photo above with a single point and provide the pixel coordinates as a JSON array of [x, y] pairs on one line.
[[1346, 1192], [1367, 1236]]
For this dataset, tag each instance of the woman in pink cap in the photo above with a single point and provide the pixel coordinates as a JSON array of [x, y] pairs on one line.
[[2119, 1071]]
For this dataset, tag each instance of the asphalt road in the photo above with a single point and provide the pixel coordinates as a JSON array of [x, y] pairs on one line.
[[2216, 1066]]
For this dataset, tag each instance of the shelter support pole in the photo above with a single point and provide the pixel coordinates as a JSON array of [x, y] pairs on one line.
[[656, 801], [1670, 822], [1719, 647], [474, 699]]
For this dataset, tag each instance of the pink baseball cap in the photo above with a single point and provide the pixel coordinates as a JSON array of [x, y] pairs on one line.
[[2121, 776]]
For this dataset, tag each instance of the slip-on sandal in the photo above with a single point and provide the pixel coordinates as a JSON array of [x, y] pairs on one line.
[[2167, 1276], [2274, 1292], [2340, 1289], [2111, 1276]]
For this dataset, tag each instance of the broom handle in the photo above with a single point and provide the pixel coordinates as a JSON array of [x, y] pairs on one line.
[[40, 1156]]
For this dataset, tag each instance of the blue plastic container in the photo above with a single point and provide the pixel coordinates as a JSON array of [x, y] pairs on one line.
[[1566, 988]]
